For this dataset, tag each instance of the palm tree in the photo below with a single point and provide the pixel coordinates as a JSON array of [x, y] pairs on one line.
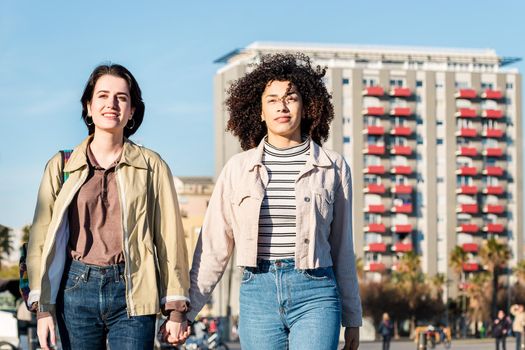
[[494, 256], [437, 282], [6, 243], [457, 258], [26, 229], [478, 298], [519, 272]]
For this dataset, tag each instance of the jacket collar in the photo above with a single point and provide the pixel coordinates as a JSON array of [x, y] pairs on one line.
[[318, 156], [131, 155]]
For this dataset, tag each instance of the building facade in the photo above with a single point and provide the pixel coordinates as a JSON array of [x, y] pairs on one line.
[[433, 137]]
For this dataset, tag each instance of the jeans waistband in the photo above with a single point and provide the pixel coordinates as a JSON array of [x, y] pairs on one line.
[[94, 271], [272, 265]]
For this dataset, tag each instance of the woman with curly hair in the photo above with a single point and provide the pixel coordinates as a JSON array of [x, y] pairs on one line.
[[286, 203]]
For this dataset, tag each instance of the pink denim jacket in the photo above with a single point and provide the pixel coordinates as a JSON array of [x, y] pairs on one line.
[[324, 224]]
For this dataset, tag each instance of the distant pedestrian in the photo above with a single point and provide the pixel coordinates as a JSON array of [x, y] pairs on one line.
[[386, 330], [519, 321], [500, 329]]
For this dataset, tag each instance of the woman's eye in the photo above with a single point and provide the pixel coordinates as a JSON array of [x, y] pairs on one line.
[[122, 98]]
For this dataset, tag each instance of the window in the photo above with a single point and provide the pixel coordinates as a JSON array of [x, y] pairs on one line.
[[346, 139], [509, 86], [369, 82], [464, 180], [400, 121], [371, 120], [372, 179], [346, 81], [396, 82], [419, 83], [439, 141], [485, 86], [372, 160]]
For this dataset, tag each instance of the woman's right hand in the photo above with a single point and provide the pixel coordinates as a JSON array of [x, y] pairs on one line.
[[46, 329]]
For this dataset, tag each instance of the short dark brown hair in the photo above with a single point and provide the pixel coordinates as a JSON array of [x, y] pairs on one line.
[[134, 91], [244, 98]]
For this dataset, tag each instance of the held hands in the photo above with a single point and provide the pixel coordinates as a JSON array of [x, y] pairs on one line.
[[174, 333], [46, 328], [351, 338]]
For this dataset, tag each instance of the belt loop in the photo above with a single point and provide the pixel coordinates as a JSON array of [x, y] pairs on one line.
[[116, 272], [85, 274]]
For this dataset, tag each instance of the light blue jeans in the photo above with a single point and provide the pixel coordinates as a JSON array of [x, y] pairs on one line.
[[284, 308]]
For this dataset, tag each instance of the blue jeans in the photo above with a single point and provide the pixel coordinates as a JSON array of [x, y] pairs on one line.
[[285, 308], [91, 309]]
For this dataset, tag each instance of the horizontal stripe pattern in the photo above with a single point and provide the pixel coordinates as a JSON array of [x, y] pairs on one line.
[[277, 219]]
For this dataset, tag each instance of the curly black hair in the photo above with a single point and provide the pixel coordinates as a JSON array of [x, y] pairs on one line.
[[244, 101]]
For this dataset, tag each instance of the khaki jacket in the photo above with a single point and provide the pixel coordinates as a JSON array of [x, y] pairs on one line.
[[323, 226], [151, 224]]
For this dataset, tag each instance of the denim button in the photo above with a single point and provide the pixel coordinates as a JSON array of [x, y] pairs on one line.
[[306, 199], [278, 263]]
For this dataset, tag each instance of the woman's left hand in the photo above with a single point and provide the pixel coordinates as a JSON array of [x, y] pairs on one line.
[[351, 338], [174, 333]]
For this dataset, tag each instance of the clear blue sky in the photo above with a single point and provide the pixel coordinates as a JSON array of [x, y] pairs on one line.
[[48, 49]]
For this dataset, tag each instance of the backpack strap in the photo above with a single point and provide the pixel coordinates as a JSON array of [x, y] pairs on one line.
[[66, 154]]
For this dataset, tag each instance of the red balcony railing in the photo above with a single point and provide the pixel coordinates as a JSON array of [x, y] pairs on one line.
[[374, 111], [375, 169], [468, 228], [373, 91], [375, 188], [375, 130], [404, 228], [466, 93], [493, 171], [400, 92], [401, 150], [493, 133], [466, 113], [401, 170], [375, 149], [467, 132], [375, 267], [401, 111], [468, 208], [467, 170], [470, 247], [402, 189], [493, 152], [467, 151], [494, 209], [492, 94], [402, 247], [401, 131], [494, 228], [495, 190], [402, 208], [492, 113], [466, 189], [376, 247], [470, 267], [377, 228], [375, 208]]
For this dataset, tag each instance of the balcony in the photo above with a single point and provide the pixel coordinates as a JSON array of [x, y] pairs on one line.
[[468, 228], [379, 111], [492, 113], [400, 92], [401, 131], [402, 208], [401, 150], [375, 149], [466, 113], [493, 152], [467, 132], [493, 133], [467, 151], [401, 170], [466, 93], [402, 247], [376, 228], [373, 91], [375, 208], [470, 247], [375, 267], [467, 170], [403, 228], [375, 188], [374, 130], [402, 189], [494, 228], [375, 169], [470, 267], [467, 208], [376, 248], [493, 171], [494, 209], [401, 112], [466, 189], [492, 94], [495, 190]]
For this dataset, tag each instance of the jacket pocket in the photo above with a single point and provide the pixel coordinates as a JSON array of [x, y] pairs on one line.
[[324, 201]]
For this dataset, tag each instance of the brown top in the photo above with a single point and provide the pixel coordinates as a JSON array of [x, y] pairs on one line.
[[95, 224]]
